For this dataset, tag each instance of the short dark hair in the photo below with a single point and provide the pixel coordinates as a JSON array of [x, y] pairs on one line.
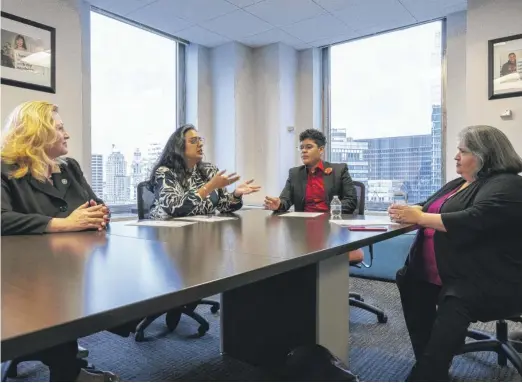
[[315, 135]]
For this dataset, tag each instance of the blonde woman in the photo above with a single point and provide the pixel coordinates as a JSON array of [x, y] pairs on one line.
[[43, 192]]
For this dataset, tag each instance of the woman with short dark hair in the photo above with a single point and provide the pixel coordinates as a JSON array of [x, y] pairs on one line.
[[466, 261]]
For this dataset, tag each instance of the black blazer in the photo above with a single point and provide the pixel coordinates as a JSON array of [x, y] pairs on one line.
[[481, 250], [337, 183], [28, 204]]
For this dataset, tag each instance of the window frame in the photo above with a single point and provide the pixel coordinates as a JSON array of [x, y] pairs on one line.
[[181, 79], [326, 90]]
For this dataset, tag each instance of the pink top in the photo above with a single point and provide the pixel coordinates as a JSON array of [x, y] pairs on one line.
[[431, 273]]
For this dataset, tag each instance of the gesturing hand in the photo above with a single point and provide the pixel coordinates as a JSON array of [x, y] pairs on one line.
[[246, 188], [272, 203], [220, 180], [87, 217]]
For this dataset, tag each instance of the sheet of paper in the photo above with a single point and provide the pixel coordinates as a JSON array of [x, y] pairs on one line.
[[160, 223], [370, 221], [301, 214], [205, 218]]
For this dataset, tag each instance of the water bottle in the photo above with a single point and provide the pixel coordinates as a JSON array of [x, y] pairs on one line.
[[336, 208], [400, 198]]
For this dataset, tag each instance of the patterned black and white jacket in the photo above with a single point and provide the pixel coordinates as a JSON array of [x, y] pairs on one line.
[[172, 199]]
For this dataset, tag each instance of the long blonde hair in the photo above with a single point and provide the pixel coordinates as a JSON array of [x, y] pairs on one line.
[[30, 133]]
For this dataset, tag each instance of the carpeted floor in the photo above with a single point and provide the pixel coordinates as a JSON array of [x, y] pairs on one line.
[[379, 352]]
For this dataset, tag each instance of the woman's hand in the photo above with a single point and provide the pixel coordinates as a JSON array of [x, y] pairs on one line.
[[246, 188], [87, 217], [405, 214], [220, 180]]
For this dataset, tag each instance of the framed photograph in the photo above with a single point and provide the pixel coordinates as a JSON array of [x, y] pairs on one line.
[[28, 54], [505, 67]]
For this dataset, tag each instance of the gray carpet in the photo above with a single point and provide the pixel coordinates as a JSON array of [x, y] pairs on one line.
[[379, 352]]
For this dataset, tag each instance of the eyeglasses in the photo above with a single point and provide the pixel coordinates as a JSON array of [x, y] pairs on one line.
[[305, 147], [195, 140]]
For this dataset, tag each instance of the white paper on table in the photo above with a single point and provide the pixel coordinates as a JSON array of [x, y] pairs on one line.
[[205, 218], [169, 223], [373, 221], [301, 214]]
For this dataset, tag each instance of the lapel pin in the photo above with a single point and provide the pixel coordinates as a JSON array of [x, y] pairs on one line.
[[64, 181]]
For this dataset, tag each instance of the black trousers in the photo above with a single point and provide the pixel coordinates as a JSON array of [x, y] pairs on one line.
[[63, 364], [438, 323]]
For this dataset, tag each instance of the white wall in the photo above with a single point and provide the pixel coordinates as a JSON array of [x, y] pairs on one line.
[[199, 94], [467, 70], [455, 86], [223, 69], [71, 20], [486, 20], [256, 95], [308, 106]]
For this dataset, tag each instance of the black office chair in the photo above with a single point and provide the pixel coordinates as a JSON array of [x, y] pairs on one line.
[[507, 347], [145, 200], [10, 368], [356, 299]]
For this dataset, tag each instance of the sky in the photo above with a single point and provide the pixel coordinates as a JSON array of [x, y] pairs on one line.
[[382, 86], [133, 87]]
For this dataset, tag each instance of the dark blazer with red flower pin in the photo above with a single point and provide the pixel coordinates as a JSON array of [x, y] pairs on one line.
[[337, 182]]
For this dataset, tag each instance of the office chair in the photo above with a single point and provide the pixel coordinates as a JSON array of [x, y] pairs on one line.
[[506, 348], [145, 200], [356, 299], [10, 368]]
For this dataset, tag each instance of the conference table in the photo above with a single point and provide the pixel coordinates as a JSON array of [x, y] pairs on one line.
[[283, 281]]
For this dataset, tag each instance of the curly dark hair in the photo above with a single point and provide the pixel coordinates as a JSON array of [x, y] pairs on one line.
[[315, 135]]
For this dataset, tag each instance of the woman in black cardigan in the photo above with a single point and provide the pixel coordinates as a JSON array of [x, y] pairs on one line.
[[466, 261], [43, 192]]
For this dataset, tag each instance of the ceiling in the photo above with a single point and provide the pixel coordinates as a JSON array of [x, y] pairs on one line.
[[299, 23]]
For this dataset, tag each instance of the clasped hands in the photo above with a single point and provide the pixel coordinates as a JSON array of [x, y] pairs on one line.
[[405, 214], [90, 215]]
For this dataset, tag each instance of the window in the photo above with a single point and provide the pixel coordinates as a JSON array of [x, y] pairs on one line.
[[385, 112], [134, 92]]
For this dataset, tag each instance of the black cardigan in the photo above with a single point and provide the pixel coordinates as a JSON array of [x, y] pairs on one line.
[[481, 250], [28, 204]]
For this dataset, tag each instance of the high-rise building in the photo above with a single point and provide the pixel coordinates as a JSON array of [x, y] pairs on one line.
[[137, 174], [97, 175], [117, 184], [436, 146], [153, 153], [405, 160], [344, 149], [412, 164]]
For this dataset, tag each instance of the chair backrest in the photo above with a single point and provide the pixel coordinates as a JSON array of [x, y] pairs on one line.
[[360, 189], [145, 200]]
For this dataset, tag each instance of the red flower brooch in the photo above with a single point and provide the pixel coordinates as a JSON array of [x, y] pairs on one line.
[[327, 171]]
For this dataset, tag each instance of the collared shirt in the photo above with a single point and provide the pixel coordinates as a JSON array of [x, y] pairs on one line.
[[315, 195]]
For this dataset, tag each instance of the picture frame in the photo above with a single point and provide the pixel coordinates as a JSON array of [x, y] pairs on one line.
[[28, 54], [505, 67]]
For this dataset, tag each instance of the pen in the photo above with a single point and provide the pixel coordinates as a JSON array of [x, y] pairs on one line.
[[367, 228]]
